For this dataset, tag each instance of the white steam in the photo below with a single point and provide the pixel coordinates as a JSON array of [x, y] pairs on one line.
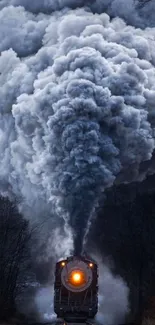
[[44, 303], [113, 298], [136, 12], [77, 97]]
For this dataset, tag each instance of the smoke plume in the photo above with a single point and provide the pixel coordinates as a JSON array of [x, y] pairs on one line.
[[77, 106]]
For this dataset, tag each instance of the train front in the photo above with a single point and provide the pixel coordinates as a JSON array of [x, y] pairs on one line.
[[76, 289]]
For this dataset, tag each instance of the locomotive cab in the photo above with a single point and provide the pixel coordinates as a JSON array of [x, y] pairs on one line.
[[76, 289]]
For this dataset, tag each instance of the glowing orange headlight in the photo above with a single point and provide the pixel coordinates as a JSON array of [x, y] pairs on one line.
[[77, 278]]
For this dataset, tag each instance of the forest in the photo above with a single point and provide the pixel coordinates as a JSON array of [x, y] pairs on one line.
[[124, 232]]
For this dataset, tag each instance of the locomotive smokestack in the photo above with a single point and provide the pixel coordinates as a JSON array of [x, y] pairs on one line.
[[78, 245]]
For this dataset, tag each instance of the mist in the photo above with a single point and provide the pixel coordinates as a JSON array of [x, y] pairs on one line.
[[113, 298]]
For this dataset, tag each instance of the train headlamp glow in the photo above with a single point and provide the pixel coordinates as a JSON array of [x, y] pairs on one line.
[[77, 278]]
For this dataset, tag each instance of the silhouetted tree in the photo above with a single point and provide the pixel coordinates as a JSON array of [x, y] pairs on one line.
[[14, 256], [125, 231]]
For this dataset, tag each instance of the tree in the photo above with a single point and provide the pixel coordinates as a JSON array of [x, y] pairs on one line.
[[14, 256], [125, 231]]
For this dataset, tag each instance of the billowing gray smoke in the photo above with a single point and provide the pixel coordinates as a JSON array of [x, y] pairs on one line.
[[135, 12], [77, 106]]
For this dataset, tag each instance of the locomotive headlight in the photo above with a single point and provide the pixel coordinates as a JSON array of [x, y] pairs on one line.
[[77, 278], [63, 263]]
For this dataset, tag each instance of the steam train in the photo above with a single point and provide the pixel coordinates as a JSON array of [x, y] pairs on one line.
[[76, 289]]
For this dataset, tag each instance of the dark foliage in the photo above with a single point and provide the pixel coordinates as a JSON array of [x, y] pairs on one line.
[[14, 257], [125, 231]]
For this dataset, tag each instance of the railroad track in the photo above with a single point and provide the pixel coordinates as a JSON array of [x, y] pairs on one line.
[[60, 323]]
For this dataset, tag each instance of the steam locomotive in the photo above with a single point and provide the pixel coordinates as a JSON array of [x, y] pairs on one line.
[[76, 289]]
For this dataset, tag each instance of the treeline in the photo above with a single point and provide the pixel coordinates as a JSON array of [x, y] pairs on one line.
[[14, 257], [125, 231]]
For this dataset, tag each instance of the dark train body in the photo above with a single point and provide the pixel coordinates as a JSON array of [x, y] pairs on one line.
[[76, 289]]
